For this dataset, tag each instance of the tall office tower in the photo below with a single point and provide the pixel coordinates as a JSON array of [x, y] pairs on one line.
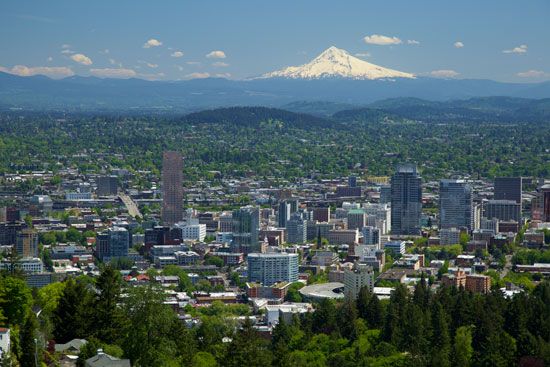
[[356, 219], [508, 188], [26, 243], [385, 194], [546, 202], [503, 210], [296, 229], [371, 236], [246, 230], [359, 276], [283, 214], [294, 205], [455, 204], [352, 181], [112, 243], [107, 185], [406, 200], [269, 269], [321, 214], [172, 189]]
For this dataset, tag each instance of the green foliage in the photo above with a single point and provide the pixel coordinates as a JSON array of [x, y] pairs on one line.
[[30, 352], [71, 317], [15, 299], [213, 260]]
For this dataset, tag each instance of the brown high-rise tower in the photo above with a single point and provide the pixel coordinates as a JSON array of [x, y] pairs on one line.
[[172, 189]]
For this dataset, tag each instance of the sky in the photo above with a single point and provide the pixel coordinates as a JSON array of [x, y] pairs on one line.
[[503, 40]]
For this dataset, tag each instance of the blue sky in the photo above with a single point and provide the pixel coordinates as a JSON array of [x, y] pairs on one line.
[[505, 40]]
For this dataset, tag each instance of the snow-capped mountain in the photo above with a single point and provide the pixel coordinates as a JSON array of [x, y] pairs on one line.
[[337, 63]]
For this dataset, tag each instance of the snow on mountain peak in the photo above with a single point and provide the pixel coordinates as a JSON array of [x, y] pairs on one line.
[[337, 63]]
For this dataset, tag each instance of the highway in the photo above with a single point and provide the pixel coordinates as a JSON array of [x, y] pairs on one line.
[[130, 205]]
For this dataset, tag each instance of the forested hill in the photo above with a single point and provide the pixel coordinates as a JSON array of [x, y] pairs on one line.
[[258, 116], [483, 109]]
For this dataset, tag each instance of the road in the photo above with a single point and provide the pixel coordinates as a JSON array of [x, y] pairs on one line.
[[130, 205]]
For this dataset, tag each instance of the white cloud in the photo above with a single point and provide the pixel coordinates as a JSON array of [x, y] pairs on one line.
[[198, 75], [532, 74], [378, 39], [50, 59], [113, 73], [55, 72], [193, 63], [413, 42], [362, 54], [115, 62], [177, 54], [216, 55], [444, 73], [104, 52], [67, 52], [521, 49], [458, 44], [155, 76], [220, 64], [223, 75], [152, 43], [180, 68], [152, 66], [82, 59], [65, 46]]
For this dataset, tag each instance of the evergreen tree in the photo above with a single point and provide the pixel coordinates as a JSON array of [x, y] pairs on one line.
[[71, 318], [441, 341], [363, 299], [375, 313], [248, 349], [347, 315], [463, 350], [29, 345], [108, 319]]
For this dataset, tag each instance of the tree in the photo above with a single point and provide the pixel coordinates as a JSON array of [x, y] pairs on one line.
[[15, 299], [29, 344], [363, 299], [70, 317], [248, 349], [148, 340], [441, 340], [107, 316], [347, 315], [463, 350], [203, 359], [375, 313]]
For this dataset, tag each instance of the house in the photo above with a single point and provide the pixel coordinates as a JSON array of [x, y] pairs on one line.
[[4, 341], [72, 347], [102, 359]]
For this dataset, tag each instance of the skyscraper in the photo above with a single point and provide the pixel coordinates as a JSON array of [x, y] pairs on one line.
[[455, 204], [509, 188], [107, 185], [283, 213], [27, 243], [112, 243], [406, 200], [296, 228], [172, 189], [503, 210], [546, 202], [246, 230]]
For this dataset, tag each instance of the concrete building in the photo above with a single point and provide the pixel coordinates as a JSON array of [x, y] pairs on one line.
[[272, 268], [27, 243], [382, 215], [478, 283], [195, 232], [396, 247], [296, 229], [508, 188], [545, 189], [406, 200], [449, 236], [112, 243], [358, 276], [172, 188], [283, 214], [343, 236], [321, 214], [371, 236], [356, 219], [385, 194], [27, 265], [226, 222], [455, 204]]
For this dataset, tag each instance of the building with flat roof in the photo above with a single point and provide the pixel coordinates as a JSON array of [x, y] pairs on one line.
[[503, 210], [272, 268], [318, 292], [357, 277], [455, 204], [246, 229], [112, 243], [396, 247], [172, 188], [406, 200]]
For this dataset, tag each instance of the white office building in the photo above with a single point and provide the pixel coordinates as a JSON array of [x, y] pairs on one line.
[[357, 277], [271, 268]]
